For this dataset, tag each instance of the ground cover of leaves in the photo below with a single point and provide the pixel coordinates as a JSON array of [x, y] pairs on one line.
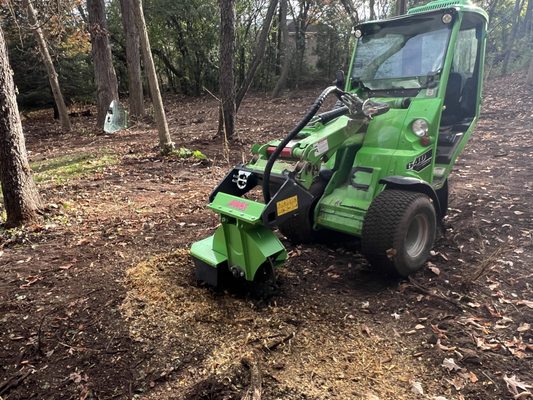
[[99, 301]]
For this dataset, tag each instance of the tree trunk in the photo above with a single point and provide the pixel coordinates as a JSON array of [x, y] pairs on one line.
[[50, 70], [226, 77], [21, 199], [284, 50], [258, 55], [301, 25], [133, 59], [401, 7], [528, 20], [512, 36], [351, 11], [372, 12], [529, 78], [165, 142], [104, 72]]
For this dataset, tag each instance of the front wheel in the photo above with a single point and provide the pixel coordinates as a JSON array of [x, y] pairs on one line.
[[399, 231]]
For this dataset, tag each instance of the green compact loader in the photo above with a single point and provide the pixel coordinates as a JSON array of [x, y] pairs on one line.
[[375, 166]]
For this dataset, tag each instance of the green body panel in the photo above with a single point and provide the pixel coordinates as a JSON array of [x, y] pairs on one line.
[[388, 147], [241, 242], [244, 210]]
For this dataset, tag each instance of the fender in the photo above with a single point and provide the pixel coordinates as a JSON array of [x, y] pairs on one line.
[[413, 185]]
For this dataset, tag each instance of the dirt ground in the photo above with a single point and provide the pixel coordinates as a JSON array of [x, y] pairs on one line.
[[99, 300]]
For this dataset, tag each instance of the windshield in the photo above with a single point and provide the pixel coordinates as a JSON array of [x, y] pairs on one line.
[[401, 54]]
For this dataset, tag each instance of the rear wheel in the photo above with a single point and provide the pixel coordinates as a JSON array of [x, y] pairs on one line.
[[399, 231]]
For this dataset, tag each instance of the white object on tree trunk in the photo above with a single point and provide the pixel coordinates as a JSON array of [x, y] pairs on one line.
[[116, 118]]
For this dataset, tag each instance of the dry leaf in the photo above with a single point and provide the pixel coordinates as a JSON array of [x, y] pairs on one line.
[[416, 387], [439, 332], [524, 327], [526, 303], [445, 348], [484, 345], [513, 384], [450, 365]]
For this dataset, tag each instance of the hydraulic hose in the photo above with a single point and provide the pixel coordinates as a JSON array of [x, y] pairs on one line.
[[310, 114]]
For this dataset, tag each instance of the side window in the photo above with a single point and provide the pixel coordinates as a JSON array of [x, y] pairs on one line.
[[464, 58]]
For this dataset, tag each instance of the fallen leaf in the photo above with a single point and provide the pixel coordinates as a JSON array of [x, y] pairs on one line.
[[439, 332], [450, 365], [416, 387], [524, 327], [526, 303], [444, 348], [484, 345], [365, 329], [513, 384]]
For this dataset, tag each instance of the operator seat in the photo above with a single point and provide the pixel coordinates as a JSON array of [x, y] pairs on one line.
[[452, 100], [469, 98]]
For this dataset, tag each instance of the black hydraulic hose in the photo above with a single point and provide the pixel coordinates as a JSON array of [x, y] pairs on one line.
[[274, 156], [332, 114]]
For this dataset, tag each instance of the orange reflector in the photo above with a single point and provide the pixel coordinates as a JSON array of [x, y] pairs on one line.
[[425, 141]]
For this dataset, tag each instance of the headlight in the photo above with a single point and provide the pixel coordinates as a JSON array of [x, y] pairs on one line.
[[420, 127]]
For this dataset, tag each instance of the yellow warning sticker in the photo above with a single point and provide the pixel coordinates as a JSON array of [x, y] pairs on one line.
[[287, 205]]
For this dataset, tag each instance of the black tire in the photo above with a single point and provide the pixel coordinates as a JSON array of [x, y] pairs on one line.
[[398, 231], [442, 196]]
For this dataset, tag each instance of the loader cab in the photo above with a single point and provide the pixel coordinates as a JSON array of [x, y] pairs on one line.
[[432, 56]]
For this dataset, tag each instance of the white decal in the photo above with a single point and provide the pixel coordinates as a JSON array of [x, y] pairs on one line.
[[321, 147]]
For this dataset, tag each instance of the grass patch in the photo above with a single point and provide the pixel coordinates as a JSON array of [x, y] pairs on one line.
[[183, 152], [63, 168]]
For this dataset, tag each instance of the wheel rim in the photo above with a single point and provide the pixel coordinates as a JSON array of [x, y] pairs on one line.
[[417, 236]]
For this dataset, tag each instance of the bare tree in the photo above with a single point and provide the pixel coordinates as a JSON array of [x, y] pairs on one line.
[[284, 50], [401, 7], [529, 78], [50, 69], [104, 72], [258, 54], [351, 11], [512, 36], [372, 11], [21, 199], [165, 142], [528, 20], [133, 59], [226, 76]]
